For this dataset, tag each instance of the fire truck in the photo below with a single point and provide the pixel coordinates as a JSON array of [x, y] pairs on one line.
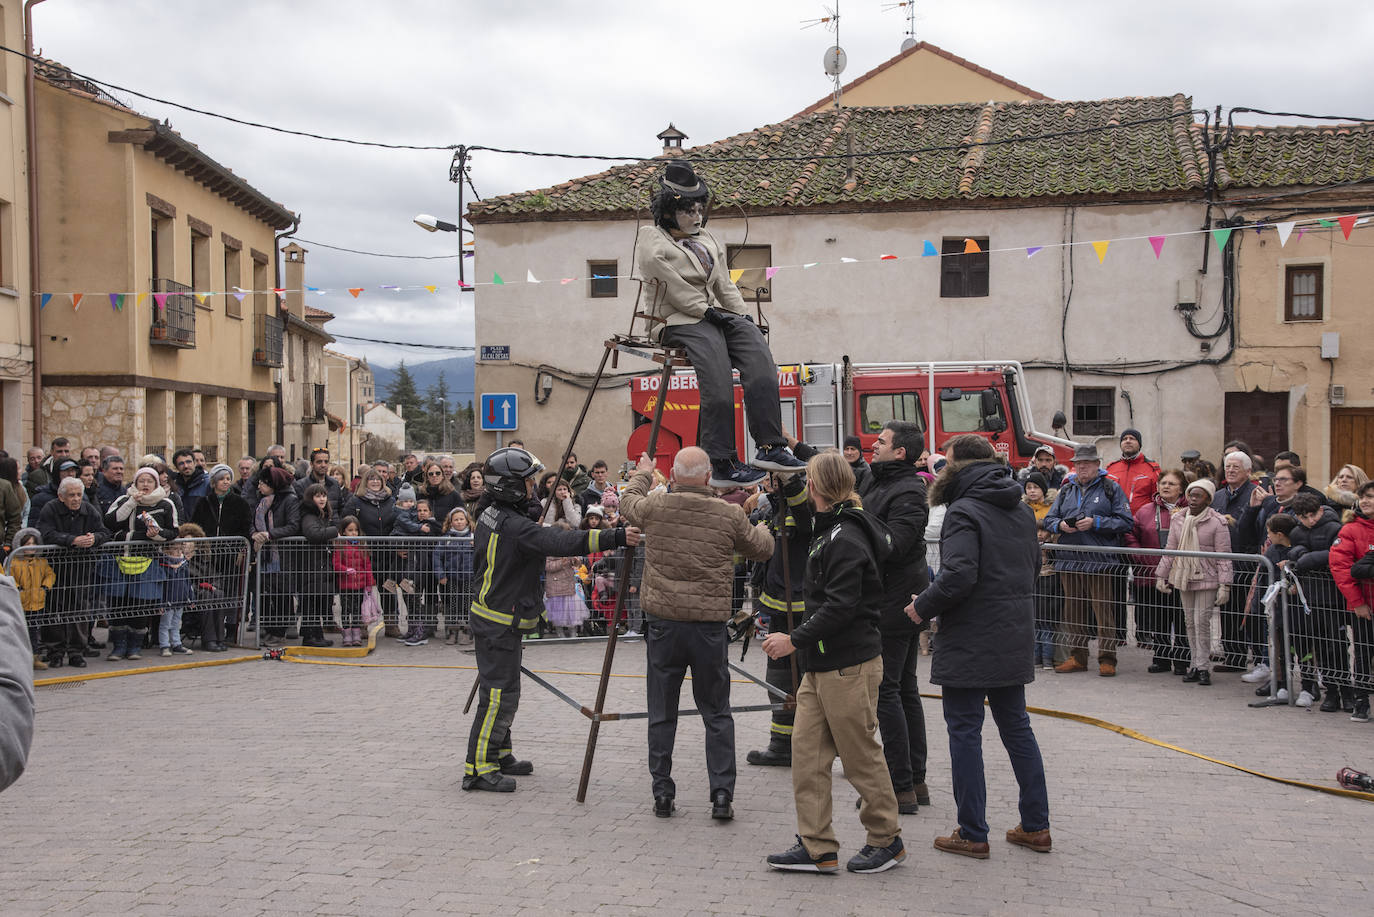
[[824, 402]]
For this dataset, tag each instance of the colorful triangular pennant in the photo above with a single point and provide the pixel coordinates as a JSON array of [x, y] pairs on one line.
[[928, 250], [356, 291], [116, 301], [971, 247], [566, 280], [76, 300], [138, 301], [201, 297], [432, 288], [810, 264], [1347, 223], [1221, 236], [1030, 252], [529, 276], [1101, 249], [240, 295], [768, 273], [735, 274], [497, 280], [887, 257], [848, 260], [1157, 243], [1285, 229], [44, 301]]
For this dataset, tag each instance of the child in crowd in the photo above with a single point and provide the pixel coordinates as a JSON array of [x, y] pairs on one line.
[[1049, 599], [1204, 583], [564, 610], [34, 576], [1278, 527], [418, 580], [453, 566], [406, 522], [177, 592], [1309, 559], [354, 566]]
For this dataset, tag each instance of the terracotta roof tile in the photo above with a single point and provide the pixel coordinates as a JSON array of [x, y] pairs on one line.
[[1260, 157], [783, 169]]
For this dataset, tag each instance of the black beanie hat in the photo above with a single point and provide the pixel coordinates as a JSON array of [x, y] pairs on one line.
[[1131, 431], [1038, 479], [853, 441]]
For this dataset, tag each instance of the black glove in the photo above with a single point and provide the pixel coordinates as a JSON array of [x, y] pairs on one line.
[[1364, 567], [716, 317]]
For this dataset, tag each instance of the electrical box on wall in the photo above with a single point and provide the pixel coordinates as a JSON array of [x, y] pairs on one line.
[[1331, 345], [1188, 294], [1336, 395]]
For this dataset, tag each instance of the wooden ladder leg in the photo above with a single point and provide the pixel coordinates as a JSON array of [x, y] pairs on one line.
[[627, 562]]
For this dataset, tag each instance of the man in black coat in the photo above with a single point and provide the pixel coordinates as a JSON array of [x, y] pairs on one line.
[[109, 487], [985, 600], [319, 474], [854, 455], [896, 495], [73, 523]]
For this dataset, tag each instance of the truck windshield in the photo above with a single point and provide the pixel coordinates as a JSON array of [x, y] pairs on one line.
[[877, 408], [964, 414]]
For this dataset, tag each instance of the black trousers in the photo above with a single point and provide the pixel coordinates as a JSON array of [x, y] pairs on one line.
[[713, 351], [901, 720], [498, 649], [673, 647]]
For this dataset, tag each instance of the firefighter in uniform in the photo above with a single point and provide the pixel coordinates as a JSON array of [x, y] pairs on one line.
[[510, 549], [788, 506]]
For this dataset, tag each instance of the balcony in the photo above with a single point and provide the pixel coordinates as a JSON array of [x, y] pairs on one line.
[[312, 402], [174, 318], [267, 340]]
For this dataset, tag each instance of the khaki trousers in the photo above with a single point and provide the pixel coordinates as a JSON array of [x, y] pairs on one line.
[[837, 713], [1088, 599]]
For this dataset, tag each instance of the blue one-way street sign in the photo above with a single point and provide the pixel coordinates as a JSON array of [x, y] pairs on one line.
[[500, 413]]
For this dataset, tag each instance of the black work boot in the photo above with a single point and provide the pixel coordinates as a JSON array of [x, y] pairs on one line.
[[491, 783], [512, 767], [777, 754]]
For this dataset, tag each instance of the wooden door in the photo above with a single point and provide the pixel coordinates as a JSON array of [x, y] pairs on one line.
[[1260, 420], [1352, 438]]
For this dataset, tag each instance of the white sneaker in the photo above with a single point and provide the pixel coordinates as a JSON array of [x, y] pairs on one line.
[[166, 651], [1282, 695], [1256, 675], [1305, 699]]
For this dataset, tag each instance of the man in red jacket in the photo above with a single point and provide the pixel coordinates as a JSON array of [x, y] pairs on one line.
[[1136, 474]]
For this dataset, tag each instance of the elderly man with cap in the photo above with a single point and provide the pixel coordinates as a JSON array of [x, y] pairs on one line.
[[694, 306], [1136, 474], [1090, 510], [854, 455], [66, 468]]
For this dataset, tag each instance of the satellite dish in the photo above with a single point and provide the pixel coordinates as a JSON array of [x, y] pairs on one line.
[[834, 61], [908, 44]]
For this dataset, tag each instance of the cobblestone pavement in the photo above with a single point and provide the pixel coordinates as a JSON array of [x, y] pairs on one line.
[[281, 788]]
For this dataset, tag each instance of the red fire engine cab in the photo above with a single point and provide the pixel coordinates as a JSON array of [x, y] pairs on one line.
[[824, 402]]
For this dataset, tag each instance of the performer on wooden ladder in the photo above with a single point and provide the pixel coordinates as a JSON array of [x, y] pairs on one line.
[[510, 551], [700, 310]]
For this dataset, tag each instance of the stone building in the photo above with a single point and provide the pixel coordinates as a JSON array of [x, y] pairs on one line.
[[162, 329], [17, 303], [304, 421]]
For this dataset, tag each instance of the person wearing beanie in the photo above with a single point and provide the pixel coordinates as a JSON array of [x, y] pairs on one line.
[[1136, 474], [405, 494], [63, 468], [277, 515], [854, 455], [221, 513], [143, 518], [1203, 582]]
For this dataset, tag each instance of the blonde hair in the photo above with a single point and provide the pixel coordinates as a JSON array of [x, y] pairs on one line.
[[832, 479], [1361, 479]]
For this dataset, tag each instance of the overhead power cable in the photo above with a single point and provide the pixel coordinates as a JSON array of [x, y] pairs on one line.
[[355, 251], [455, 347]]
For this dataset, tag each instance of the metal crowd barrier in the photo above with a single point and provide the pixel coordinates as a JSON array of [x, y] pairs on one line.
[[65, 590]]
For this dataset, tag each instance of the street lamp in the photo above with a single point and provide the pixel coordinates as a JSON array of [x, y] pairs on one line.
[[433, 224]]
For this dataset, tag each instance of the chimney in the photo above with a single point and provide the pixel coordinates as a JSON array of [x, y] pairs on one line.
[[672, 140], [294, 279]]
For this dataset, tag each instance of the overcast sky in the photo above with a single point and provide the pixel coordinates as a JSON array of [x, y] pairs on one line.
[[576, 77]]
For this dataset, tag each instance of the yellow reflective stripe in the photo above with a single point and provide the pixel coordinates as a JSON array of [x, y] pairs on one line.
[[782, 729], [486, 574], [530, 623], [797, 500], [594, 542], [497, 617], [481, 765], [767, 601]]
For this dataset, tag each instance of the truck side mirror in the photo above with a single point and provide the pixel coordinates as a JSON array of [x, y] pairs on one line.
[[988, 403], [1058, 421]]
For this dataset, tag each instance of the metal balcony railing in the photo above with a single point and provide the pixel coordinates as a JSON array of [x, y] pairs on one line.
[[267, 340], [174, 314]]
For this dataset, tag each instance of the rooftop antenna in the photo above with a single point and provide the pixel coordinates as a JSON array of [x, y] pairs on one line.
[[909, 6], [834, 60]]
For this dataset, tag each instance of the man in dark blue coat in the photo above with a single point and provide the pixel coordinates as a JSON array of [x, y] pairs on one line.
[[985, 600]]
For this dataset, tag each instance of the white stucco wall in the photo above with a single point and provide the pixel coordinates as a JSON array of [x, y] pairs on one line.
[[1122, 310]]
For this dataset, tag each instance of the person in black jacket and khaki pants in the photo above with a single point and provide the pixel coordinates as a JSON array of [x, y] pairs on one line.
[[837, 701]]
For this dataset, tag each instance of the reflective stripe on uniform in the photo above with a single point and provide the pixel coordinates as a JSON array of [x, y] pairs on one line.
[[481, 598], [767, 601], [594, 543], [487, 614], [780, 729], [482, 765], [797, 499]]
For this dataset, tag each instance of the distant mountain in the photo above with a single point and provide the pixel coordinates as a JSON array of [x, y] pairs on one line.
[[458, 376]]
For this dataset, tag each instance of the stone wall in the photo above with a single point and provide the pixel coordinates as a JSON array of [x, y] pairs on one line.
[[96, 415]]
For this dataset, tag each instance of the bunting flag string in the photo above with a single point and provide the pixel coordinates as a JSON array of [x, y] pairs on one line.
[[1286, 231]]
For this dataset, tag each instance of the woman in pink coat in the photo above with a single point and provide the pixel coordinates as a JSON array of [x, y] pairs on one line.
[[1203, 582]]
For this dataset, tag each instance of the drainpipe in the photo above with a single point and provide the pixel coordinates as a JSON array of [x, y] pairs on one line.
[[276, 282], [31, 151]]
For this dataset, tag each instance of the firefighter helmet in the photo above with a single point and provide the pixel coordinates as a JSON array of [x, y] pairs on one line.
[[506, 471]]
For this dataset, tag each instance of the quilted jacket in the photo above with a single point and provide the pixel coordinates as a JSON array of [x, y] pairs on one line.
[[691, 537]]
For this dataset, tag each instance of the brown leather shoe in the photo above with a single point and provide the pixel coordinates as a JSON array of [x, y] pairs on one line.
[[1106, 669], [1039, 841], [957, 844], [1071, 665]]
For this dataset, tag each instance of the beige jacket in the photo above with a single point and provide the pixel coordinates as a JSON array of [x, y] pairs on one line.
[[684, 290], [690, 540]]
